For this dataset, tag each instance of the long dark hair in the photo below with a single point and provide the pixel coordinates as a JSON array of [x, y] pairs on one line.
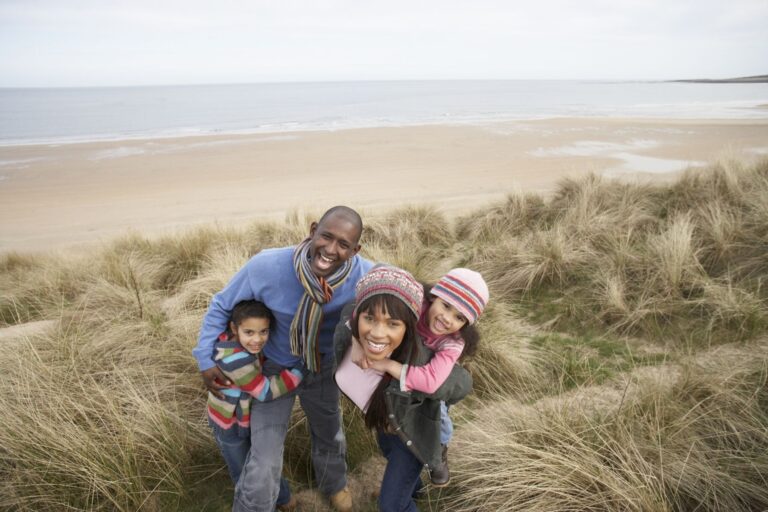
[[468, 333], [376, 415]]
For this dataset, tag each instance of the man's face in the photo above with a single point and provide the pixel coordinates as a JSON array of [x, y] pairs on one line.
[[333, 241]]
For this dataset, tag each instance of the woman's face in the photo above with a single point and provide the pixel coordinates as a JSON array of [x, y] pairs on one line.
[[380, 334]]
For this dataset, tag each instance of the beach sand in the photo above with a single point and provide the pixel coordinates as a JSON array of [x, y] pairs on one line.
[[60, 195]]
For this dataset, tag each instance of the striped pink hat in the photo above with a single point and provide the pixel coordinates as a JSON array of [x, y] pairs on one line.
[[465, 290], [387, 280]]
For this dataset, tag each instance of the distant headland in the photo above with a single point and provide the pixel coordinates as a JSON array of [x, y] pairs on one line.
[[740, 80]]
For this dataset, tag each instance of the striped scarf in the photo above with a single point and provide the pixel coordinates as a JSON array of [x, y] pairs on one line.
[[305, 326]]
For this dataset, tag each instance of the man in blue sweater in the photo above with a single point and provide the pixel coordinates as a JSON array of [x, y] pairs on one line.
[[306, 287]]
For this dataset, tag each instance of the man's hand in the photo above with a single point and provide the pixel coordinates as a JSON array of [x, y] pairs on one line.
[[215, 381], [357, 355]]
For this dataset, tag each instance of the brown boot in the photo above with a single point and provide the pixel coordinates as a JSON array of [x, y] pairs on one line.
[[342, 501], [440, 475]]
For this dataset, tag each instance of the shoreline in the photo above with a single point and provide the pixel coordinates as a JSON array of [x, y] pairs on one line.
[[53, 196], [278, 130]]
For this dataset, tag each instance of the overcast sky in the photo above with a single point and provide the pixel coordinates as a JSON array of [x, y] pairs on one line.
[[102, 42]]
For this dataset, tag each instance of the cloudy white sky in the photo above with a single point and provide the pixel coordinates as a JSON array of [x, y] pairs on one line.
[[102, 42]]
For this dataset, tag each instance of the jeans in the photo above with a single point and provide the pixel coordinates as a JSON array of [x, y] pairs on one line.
[[446, 425], [402, 477], [259, 484], [234, 449]]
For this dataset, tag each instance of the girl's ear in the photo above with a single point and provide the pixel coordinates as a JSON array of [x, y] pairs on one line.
[[233, 327]]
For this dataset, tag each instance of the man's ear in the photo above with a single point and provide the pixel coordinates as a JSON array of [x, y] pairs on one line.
[[312, 229]]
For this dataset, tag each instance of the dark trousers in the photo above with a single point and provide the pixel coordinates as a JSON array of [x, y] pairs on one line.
[[402, 477]]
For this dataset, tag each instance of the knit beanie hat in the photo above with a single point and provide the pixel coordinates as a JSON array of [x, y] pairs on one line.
[[465, 290], [384, 279]]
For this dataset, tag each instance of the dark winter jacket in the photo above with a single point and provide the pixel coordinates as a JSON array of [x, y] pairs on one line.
[[413, 415]]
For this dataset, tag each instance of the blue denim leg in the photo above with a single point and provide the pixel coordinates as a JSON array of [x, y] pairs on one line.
[[260, 487], [234, 448], [284, 494], [319, 398], [446, 425], [402, 477]]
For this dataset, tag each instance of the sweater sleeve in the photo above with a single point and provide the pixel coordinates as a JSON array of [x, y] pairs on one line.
[[217, 316], [264, 389], [285, 382], [431, 376]]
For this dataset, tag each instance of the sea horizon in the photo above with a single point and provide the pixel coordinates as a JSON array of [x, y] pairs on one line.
[[63, 115], [718, 80]]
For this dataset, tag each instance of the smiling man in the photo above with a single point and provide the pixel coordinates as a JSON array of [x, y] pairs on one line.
[[306, 287]]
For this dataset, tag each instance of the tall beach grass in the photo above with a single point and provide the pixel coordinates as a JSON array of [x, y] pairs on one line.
[[622, 366]]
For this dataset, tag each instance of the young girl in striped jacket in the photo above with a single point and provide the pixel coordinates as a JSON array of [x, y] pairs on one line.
[[238, 354]]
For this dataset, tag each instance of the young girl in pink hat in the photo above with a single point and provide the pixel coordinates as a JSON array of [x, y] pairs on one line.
[[446, 325]]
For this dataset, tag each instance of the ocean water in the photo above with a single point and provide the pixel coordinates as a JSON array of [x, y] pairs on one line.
[[65, 115]]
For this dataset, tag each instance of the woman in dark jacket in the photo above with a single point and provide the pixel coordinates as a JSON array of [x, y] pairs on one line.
[[382, 324]]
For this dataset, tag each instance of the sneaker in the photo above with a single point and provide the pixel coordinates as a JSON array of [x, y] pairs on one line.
[[342, 501], [290, 506], [440, 475]]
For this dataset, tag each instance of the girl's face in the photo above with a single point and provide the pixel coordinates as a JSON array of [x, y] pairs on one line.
[[443, 318], [252, 333], [380, 334]]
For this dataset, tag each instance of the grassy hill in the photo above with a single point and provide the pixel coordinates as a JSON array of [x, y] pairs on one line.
[[623, 362]]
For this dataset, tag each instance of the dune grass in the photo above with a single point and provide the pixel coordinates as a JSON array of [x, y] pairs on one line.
[[695, 443], [683, 263], [623, 361]]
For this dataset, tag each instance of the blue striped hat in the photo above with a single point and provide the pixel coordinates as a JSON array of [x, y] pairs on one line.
[[465, 290]]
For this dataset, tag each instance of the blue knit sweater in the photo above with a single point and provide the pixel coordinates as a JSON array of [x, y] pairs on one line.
[[270, 278]]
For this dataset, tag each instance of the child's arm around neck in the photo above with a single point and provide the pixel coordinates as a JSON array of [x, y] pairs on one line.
[[390, 366], [431, 376]]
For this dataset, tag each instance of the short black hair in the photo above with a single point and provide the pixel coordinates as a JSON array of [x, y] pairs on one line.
[[251, 309], [348, 213]]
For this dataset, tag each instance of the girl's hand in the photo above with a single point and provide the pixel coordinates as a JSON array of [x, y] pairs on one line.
[[380, 366], [393, 368], [357, 355]]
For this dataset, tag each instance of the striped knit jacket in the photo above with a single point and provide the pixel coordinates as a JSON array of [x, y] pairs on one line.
[[244, 370]]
